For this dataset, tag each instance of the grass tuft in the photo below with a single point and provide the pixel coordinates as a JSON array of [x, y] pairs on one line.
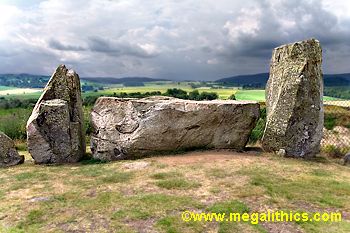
[[118, 177], [177, 183], [165, 175], [229, 207]]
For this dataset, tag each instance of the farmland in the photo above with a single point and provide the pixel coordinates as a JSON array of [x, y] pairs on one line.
[[223, 92], [18, 91]]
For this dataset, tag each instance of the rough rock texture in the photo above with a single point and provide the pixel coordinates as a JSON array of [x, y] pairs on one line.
[[55, 129], [294, 100], [131, 128], [8, 154]]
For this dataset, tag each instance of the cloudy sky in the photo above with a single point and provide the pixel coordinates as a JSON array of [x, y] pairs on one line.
[[174, 39]]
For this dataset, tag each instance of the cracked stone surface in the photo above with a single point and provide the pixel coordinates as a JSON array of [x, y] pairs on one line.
[[133, 128], [294, 103], [8, 153], [55, 129]]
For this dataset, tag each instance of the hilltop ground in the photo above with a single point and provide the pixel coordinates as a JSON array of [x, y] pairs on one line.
[[149, 195]]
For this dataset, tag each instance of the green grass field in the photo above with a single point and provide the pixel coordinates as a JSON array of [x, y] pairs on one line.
[[7, 91], [4, 88], [119, 197], [162, 87], [224, 93], [259, 95]]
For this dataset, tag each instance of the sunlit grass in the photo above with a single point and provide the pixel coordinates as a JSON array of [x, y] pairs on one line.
[[99, 197]]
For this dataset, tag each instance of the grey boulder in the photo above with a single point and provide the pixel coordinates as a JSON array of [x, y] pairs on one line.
[[294, 103], [133, 128], [55, 131], [8, 153]]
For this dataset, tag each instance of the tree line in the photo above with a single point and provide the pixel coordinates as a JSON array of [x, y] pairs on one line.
[[8, 103]]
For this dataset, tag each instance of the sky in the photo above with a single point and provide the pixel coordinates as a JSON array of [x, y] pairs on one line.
[[174, 39]]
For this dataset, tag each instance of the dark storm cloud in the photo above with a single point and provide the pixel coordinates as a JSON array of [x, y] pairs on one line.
[[55, 44], [307, 19], [118, 49], [96, 44]]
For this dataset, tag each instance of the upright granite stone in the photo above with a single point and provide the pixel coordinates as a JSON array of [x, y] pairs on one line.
[[133, 128], [55, 129], [8, 154], [294, 104]]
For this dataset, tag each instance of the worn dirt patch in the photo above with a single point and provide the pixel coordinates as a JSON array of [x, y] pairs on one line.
[[203, 157]]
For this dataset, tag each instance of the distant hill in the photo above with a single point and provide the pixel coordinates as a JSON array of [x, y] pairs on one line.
[[256, 80], [91, 83], [23, 80], [39, 81], [334, 80], [259, 80], [126, 81]]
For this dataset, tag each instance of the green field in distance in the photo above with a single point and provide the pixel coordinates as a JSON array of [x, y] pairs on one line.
[[223, 92]]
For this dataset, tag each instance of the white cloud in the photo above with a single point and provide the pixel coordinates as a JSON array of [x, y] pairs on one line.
[[213, 61], [8, 15], [247, 24]]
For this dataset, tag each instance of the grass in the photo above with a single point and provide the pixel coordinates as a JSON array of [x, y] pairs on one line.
[[218, 173], [8, 91], [224, 93], [100, 197], [95, 196], [117, 177], [165, 175], [40, 176], [4, 88], [13, 122], [335, 151], [257, 95], [320, 227], [177, 183], [228, 207], [336, 115], [301, 187], [174, 224]]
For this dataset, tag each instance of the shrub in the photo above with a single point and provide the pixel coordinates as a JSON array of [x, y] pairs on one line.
[[232, 97], [334, 151], [194, 95], [208, 96], [177, 93], [258, 131], [90, 100], [336, 116], [13, 122], [7, 103], [329, 121]]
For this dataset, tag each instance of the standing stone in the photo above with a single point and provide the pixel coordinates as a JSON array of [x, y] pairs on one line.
[[55, 131], [133, 128], [294, 104], [8, 154]]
